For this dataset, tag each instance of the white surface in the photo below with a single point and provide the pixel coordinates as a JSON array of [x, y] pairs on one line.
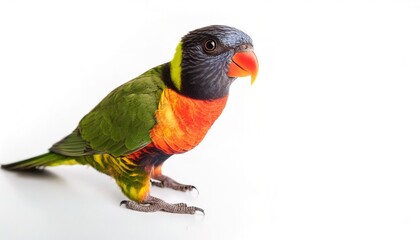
[[325, 145]]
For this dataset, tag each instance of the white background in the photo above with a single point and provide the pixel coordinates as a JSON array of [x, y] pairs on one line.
[[325, 144]]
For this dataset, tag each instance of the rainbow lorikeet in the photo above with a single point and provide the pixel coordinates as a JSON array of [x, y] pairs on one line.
[[166, 110]]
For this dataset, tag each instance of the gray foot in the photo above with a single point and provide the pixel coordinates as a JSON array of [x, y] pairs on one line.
[[167, 182], [153, 204]]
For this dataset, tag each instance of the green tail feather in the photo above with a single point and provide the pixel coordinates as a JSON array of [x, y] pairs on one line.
[[45, 160]]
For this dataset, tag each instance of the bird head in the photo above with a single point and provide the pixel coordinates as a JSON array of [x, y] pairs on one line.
[[209, 59]]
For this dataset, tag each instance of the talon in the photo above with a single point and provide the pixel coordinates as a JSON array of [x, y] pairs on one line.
[[198, 192], [123, 202], [200, 210]]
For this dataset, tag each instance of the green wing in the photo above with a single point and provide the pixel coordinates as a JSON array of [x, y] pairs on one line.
[[121, 122]]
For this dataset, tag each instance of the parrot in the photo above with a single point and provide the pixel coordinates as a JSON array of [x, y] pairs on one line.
[[167, 110]]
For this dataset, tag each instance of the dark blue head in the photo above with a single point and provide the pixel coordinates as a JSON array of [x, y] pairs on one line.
[[209, 59]]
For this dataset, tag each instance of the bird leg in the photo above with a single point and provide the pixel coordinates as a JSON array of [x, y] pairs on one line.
[[153, 204], [167, 182]]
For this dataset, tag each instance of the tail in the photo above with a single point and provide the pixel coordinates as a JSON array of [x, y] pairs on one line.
[[41, 161]]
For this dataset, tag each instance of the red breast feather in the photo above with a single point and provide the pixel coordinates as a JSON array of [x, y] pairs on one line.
[[182, 122]]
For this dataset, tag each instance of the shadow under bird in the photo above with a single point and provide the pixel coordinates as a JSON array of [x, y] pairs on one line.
[[166, 110]]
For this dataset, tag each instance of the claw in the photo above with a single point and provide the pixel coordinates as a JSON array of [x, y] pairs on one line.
[[198, 192], [200, 210], [123, 202]]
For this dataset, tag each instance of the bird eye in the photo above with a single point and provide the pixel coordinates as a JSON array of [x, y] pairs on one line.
[[209, 45]]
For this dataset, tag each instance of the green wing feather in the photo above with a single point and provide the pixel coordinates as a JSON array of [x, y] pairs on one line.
[[121, 122], [73, 145]]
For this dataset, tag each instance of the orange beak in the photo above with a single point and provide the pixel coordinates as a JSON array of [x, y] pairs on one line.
[[244, 64]]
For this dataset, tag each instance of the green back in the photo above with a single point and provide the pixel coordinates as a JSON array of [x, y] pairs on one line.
[[121, 122]]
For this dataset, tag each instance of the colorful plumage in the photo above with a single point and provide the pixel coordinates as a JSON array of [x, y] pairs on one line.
[[165, 111]]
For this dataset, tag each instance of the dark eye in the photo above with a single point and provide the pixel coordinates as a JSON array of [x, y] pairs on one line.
[[209, 45]]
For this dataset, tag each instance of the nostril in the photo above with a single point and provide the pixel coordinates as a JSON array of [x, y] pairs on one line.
[[245, 47]]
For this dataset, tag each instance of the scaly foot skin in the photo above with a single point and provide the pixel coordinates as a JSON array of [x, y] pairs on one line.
[[167, 182], [153, 204]]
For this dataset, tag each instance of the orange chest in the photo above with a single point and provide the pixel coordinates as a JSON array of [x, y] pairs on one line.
[[183, 122]]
